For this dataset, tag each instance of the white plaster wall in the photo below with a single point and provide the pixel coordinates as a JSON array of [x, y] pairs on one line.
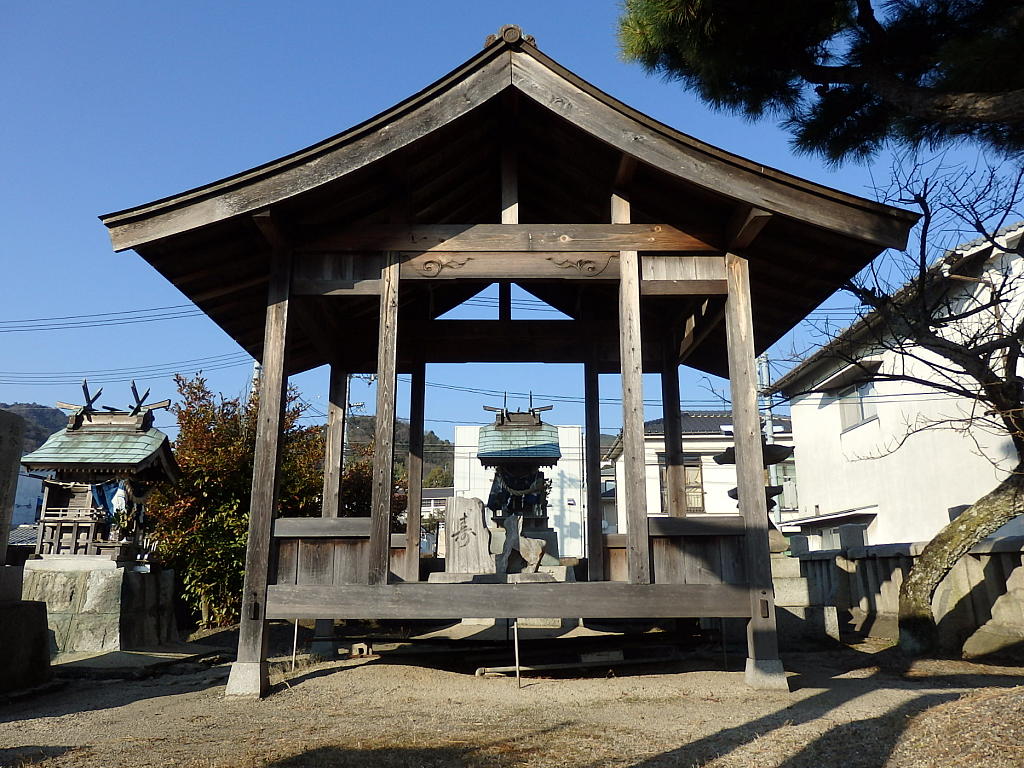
[[912, 475], [26, 499], [567, 503]]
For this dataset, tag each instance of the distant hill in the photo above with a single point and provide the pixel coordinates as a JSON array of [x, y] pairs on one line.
[[436, 451], [41, 421]]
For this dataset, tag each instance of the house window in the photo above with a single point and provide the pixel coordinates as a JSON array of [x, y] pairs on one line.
[[787, 479], [693, 484], [857, 404]]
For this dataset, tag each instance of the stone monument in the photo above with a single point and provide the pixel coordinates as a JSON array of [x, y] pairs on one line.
[[509, 540], [24, 641]]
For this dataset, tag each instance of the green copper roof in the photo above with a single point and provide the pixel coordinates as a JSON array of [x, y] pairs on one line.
[[519, 442], [101, 449]]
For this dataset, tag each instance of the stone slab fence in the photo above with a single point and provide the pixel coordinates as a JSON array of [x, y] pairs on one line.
[[979, 606]]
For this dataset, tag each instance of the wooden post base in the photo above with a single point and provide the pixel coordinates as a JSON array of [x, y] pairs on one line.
[[324, 645], [765, 675], [248, 679]]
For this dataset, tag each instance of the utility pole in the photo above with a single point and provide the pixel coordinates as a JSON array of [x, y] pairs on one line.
[[764, 380]]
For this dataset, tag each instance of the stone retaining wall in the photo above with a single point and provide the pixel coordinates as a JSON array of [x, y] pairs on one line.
[[102, 606], [979, 606]]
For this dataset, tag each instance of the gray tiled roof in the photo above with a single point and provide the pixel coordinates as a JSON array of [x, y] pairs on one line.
[[23, 535], [704, 422]]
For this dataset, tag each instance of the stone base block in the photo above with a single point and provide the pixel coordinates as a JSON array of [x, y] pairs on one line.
[[799, 626], [248, 679], [564, 573], [24, 646], [784, 567], [324, 645], [10, 583], [97, 606], [992, 638], [766, 675], [540, 623], [491, 578], [794, 592]]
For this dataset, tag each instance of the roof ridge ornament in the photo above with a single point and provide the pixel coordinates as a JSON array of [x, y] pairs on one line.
[[512, 34]]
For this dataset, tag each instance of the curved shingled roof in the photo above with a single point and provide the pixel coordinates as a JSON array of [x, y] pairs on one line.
[[441, 149], [113, 448]]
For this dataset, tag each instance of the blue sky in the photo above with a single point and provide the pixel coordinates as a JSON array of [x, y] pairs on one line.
[[110, 105]]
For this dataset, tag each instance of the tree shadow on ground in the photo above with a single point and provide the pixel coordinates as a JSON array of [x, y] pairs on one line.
[[17, 757], [856, 744], [426, 757], [82, 695], [511, 751]]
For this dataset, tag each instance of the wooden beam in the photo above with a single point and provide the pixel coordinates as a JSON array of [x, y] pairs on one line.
[[493, 265], [312, 286], [625, 172], [501, 601], [414, 465], [249, 673], [512, 237], [746, 225], [384, 441], [322, 527], [668, 267], [706, 167], [698, 326], [631, 357], [485, 330], [314, 328], [683, 287], [334, 441], [762, 641], [592, 469], [675, 471], [715, 524]]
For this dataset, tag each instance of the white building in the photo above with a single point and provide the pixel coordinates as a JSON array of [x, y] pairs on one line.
[[895, 456], [28, 498], [705, 435], [567, 511]]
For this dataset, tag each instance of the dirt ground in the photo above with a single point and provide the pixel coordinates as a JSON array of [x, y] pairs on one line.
[[858, 707]]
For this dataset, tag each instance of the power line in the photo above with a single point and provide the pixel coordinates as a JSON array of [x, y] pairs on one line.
[[115, 375], [15, 326]]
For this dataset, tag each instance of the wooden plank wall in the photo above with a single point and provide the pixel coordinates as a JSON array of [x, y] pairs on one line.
[[684, 560], [320, 561]]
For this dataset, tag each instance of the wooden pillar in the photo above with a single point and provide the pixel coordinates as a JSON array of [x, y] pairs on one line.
[[415, 466], [592, 459], [384, 439], [249, 673], [323, 643], [675, 472], [763, 669], [509, 209], [631, 358], [334, 448]]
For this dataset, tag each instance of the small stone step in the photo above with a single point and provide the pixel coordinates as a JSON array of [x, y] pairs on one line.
[[794, 592], [785, 567]]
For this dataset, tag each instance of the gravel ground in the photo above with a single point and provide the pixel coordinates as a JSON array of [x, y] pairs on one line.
[[862, 707]]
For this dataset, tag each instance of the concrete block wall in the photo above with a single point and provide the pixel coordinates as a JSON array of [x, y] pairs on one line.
[[979, 606], [102, 608]]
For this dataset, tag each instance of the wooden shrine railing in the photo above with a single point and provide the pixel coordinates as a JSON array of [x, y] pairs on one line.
[[320, 567]]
